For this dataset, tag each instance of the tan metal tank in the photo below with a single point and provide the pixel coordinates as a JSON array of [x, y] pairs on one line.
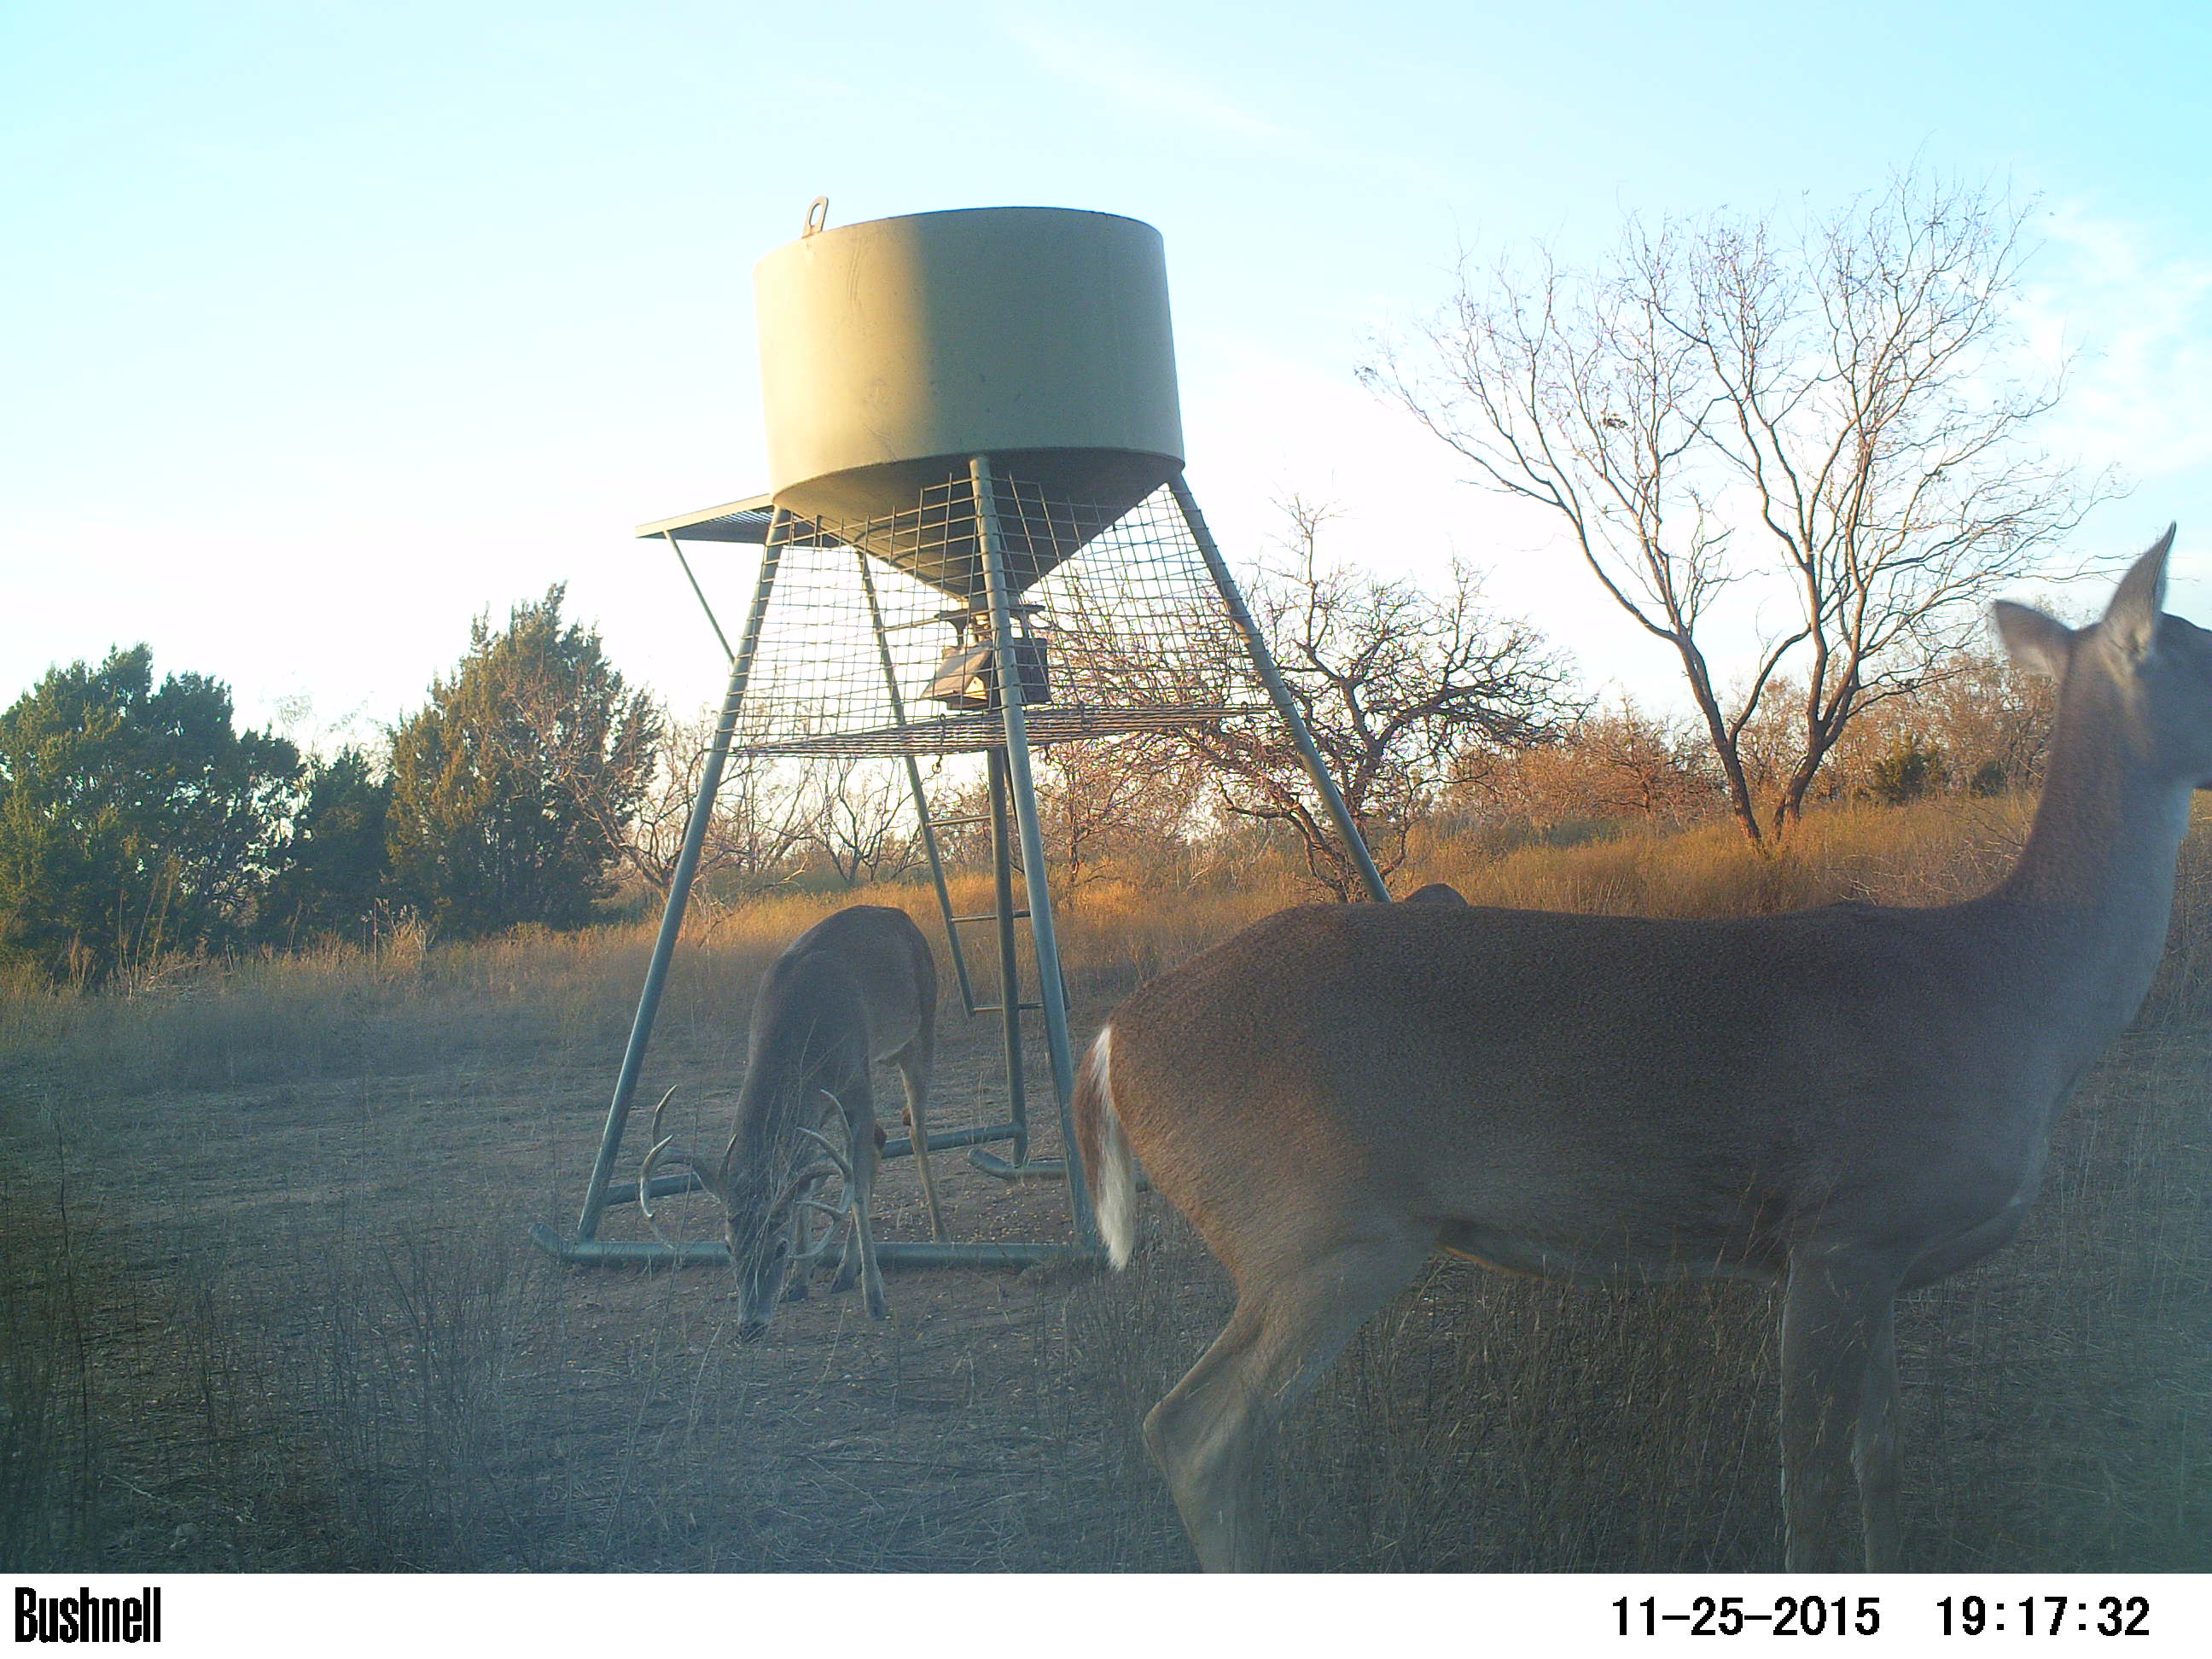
[[894, 349]]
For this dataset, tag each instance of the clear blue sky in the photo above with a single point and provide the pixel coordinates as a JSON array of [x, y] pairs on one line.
[[330, 324]]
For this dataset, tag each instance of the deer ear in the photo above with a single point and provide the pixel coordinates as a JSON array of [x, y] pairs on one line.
[[2037, 643], [2132, 616]]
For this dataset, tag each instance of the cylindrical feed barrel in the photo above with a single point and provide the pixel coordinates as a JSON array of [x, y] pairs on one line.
[[893, 350]]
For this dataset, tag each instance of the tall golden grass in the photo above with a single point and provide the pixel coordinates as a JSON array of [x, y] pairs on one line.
[[334, 1010]]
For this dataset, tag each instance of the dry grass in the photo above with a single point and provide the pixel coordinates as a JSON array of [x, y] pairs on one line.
[[265, 1302]]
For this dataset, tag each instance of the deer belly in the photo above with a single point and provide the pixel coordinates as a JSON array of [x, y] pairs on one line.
[[1592, 1263], [1494, 1267], [1502, 1252]]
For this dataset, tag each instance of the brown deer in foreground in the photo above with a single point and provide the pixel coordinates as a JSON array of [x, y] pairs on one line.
[[1854, 1100], [857, 988]]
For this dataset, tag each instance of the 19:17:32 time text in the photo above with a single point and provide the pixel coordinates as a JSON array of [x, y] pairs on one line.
[[2046, 1615]]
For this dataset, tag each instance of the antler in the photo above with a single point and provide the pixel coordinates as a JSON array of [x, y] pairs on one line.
[[843, 1164], [829, 1161], [837, 1106], [837, 1164], [804, 1259], [666, 1151]]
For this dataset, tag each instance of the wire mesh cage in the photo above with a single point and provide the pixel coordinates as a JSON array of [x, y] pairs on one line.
[[875, 639]]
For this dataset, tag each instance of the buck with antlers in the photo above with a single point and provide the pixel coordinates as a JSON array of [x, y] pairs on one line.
[[1854, 1100], [854, 989]]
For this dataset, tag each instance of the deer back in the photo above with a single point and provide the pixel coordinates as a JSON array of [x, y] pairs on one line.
[[857, 987]]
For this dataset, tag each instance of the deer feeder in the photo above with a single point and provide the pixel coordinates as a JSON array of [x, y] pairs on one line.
[[976, 542]]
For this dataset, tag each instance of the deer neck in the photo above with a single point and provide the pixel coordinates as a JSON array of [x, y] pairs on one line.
[[2091, 896], [771, 1100]]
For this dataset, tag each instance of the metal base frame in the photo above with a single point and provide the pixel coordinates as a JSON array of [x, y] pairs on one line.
[[890, 1253]]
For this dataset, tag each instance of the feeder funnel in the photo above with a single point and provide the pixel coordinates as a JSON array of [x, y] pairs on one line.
[[894, 350]]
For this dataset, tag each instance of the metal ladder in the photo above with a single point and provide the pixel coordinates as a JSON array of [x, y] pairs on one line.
[[1007, 871]]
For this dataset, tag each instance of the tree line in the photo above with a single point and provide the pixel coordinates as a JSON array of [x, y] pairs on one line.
[[136, 822], [535, 784], [1829, 414]]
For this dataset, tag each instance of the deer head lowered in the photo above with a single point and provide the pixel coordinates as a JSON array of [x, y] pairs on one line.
[[1854, 1100], [857, 988]]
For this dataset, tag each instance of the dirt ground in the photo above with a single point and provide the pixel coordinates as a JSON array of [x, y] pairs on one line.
[[309, 1334], [217, 1234]]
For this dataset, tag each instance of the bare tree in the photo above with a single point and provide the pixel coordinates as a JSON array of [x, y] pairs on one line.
[[1995, 719], [760, 823], [1395, 682], [859, 819], [1835, 414], [1103, 796], [1977, 725], [1621, 762]]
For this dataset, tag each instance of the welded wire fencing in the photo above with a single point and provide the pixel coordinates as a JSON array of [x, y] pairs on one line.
[[875, 639]]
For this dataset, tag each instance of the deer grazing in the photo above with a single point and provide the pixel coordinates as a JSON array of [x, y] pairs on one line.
[[857, 988], [1854, 1100]]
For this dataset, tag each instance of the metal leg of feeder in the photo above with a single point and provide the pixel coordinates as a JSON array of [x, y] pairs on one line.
[[1287, 707], [914, 785], [1003, 837], [679, 895], [1052, 990], [1009, 962]]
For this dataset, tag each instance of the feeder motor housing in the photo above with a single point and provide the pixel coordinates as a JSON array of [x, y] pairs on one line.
[[968, 676]]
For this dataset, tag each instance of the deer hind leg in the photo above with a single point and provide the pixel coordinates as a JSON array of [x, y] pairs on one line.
[[1874, 1451], [915, 1062], [1838, 1430], [1211, 1435]]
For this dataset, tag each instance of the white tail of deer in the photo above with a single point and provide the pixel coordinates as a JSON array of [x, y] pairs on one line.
[[856, 989], [1855, 1100]]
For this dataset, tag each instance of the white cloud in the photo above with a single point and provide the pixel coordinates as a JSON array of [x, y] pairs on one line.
[[2135, 314], [1148, 82]]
